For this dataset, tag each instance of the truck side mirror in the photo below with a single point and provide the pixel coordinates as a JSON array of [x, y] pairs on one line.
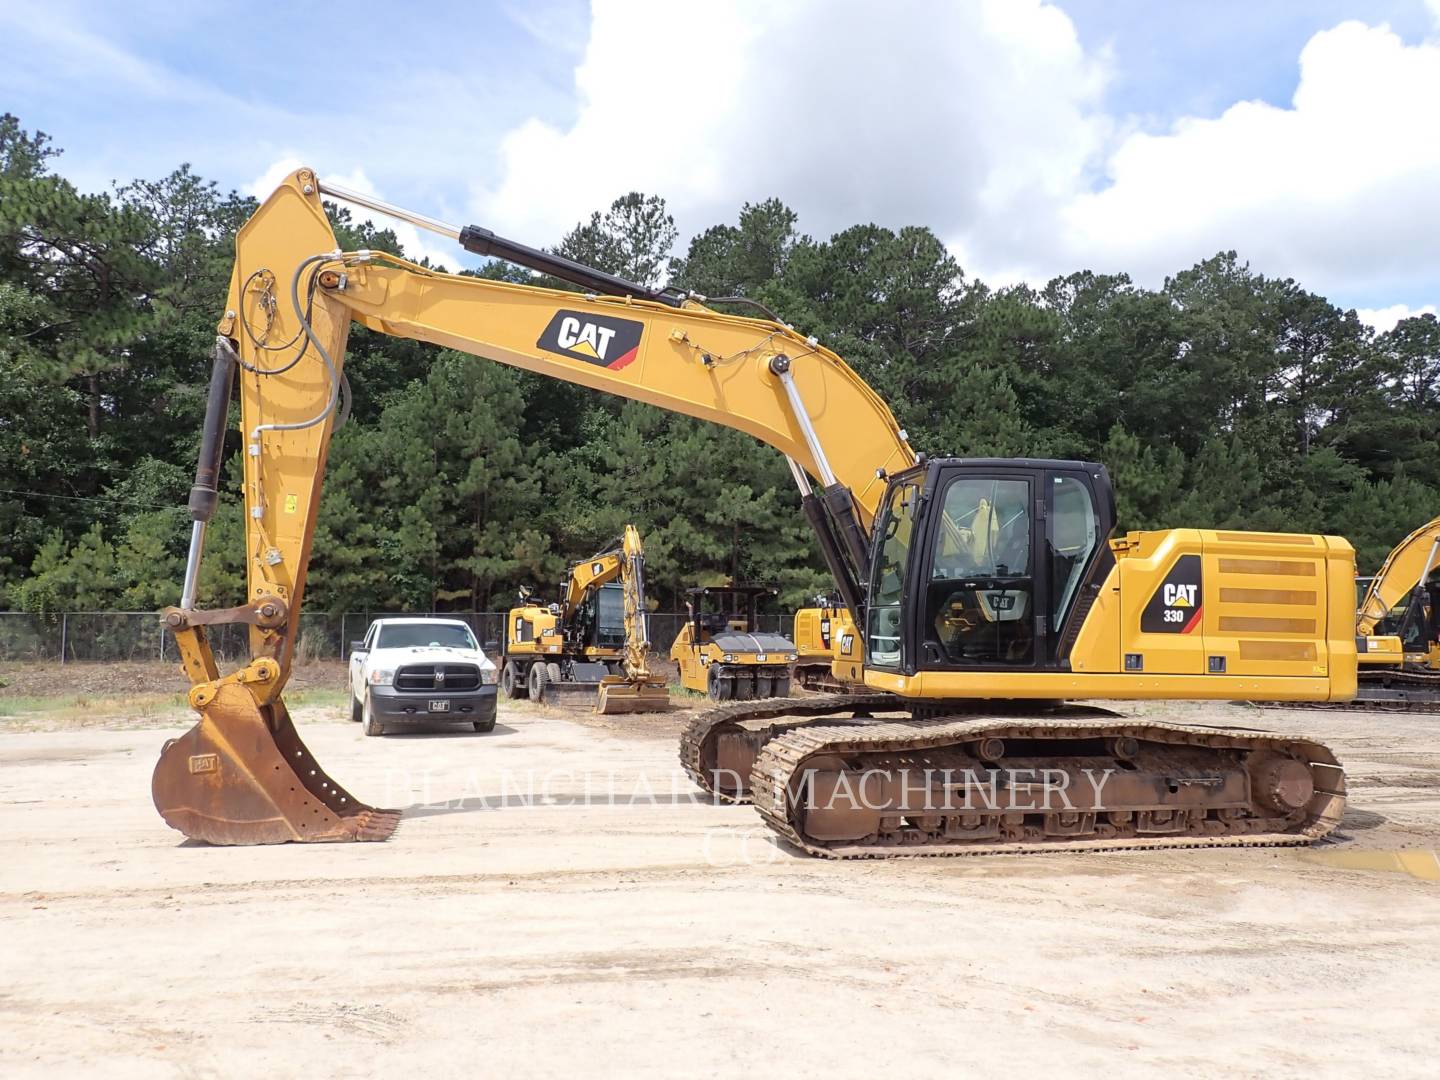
[[357, 647], [492, 646]]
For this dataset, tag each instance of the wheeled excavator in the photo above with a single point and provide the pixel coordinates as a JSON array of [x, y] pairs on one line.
[[593, 643], [989, 594]]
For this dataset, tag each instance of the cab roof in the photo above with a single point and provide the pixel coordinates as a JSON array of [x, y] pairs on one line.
[[410, 620]]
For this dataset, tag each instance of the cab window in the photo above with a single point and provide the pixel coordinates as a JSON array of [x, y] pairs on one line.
[[1074, 533], [884, 617], [980, 596]]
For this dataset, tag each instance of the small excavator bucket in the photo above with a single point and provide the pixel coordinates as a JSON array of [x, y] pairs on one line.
[[242, 776], [617, 695], [568, 695]]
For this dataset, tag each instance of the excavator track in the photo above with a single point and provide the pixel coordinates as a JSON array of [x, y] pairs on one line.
[[1379, 691], [718, 746], [1177, 786]]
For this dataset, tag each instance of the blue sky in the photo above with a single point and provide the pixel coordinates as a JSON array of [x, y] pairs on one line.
[[1035, 139]]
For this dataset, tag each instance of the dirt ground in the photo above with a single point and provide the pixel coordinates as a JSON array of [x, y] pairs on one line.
[[555, 903]]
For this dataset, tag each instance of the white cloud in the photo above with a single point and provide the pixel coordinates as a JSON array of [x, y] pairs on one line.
[[1339, 190], [987, 122], [1383, 319], [417, 243], [947, 114]]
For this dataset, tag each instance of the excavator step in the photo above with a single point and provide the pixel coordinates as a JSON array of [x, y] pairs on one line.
[[968, 786], [241, 775]]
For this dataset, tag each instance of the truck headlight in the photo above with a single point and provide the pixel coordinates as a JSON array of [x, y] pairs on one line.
[[381, 676], [488, 675], [791, 656], [728, 658]]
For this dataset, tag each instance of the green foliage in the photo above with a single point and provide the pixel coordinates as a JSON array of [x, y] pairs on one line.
[[1222, 399]]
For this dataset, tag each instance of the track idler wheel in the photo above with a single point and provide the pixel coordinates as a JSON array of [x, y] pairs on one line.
[[242, 776]]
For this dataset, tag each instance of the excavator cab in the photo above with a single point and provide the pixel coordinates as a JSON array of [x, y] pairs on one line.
[[987, 564]]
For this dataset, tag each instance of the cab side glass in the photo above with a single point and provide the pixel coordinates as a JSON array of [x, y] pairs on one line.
[[884, 616], [1074, 535]]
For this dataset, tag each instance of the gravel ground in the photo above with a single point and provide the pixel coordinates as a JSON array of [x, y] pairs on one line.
[[556, 903]]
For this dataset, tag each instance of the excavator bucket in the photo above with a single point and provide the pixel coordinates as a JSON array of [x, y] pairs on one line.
[[242, 776], [620, 696]]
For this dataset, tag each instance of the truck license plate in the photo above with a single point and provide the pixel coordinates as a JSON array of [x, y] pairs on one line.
[[439, 705]]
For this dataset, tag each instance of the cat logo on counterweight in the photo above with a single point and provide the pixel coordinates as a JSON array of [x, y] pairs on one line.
[[1176, 606], [606, 342]]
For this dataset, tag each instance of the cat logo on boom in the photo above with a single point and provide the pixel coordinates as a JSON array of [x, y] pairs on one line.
[[605, 342], [1175, 607]]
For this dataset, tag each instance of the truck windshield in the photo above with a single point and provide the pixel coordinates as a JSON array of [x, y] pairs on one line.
[[412, 635]]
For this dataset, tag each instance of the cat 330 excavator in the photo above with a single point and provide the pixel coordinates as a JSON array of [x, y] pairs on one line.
[[988, 592], [594, 640]]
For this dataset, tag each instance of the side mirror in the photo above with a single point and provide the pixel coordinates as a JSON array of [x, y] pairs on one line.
[[492, 646], [357, 647]]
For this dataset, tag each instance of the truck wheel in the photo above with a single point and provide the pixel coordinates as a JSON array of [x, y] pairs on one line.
[[373, 724], [552, 672], [357, 710], [539, 678], [782, 686], [720, 689], [512, 682], [485, 725]]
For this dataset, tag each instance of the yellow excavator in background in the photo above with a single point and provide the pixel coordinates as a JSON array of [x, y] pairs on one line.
[[819, 634], [988, 591], [1397, 625], [595, 639]]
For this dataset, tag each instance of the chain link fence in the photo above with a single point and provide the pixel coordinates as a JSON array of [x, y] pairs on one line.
[[139, 635]]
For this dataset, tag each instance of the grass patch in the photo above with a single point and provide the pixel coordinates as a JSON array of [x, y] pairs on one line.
[[317, 696]]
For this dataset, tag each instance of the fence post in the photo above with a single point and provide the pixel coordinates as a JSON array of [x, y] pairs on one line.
[[64, 628]]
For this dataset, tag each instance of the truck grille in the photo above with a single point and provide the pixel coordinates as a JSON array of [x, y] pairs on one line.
[[431, 677]]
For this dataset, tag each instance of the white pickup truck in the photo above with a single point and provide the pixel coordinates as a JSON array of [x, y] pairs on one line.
[[415, 669]]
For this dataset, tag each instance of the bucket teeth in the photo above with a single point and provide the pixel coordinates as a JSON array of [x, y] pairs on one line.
[[242, 775]]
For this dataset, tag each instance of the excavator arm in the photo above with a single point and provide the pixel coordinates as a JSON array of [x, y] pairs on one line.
[[1404, 570], [242, 774], [637, 690], [587, 576]]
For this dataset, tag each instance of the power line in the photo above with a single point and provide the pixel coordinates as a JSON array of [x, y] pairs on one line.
[[87, 498]]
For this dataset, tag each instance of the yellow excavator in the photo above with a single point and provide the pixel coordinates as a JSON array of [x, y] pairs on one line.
[[1397, 625], [819, 633], [989, 593], [595, 639]]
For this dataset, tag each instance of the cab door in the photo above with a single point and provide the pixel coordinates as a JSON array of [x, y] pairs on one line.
[[982, 604]]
